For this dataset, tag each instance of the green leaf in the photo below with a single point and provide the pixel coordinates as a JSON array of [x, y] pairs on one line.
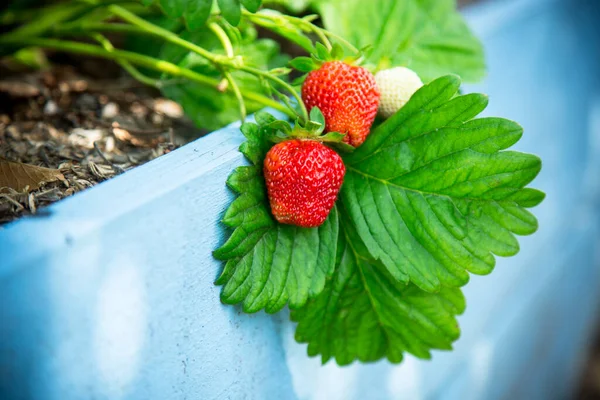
[[337, 51], [269, 265], [196, 12], [299, 80], [334, 137], [317, 116], [252, 5], [231, 10], [322, 52], [173, 8], [365, 314], [303, 64], [428, 36], [282, 126], [433, 195]]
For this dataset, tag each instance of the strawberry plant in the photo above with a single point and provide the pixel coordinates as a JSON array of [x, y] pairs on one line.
[[365, 227]]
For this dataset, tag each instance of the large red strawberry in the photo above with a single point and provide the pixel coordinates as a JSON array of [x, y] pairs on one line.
[[347, 96], [303, 180]]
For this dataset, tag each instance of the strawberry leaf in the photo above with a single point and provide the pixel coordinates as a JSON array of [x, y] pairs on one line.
[[231, 10], [317, 116], [269, 265], [252, 5], [365, 314], [427, 36], [303, 64], [322, 53], [431, 193], [337, 52], [333, 137], [430, 196]]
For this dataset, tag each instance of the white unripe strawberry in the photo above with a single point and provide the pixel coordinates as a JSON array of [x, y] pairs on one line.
[[396, 86]]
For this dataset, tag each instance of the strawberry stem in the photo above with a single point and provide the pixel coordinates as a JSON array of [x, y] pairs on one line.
[[288, 87], [141, 60]]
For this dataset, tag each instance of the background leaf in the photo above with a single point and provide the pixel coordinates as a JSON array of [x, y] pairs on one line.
[[428, 36], [196, 12], [252, 5], [231, 10], [270, 264], [365, 314], [431, 193]]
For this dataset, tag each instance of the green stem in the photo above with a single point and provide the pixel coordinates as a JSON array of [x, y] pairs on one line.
[[164, 33], [140, 60], [86, 27], [228, 47], [223, 38], [322, 37], [341, 40], [283, 84], [126, 65], [302, 23], [238, 94]]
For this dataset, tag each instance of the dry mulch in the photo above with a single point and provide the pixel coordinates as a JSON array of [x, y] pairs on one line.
[[91, 130]]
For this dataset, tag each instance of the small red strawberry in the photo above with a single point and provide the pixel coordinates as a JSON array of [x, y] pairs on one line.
[[303, 180], [347, 96]]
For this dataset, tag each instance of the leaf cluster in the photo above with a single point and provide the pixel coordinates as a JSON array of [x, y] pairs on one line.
[[432, 195]]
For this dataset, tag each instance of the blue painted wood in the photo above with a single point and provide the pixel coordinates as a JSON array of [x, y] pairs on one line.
[[111, 296]]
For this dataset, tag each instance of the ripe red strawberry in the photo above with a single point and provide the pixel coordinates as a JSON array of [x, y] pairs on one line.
[[303, 180], [347, 96]]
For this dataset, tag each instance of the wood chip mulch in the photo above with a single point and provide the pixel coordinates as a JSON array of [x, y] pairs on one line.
[[89, 130]]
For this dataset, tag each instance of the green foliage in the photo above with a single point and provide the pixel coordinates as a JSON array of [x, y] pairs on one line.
[[268, 264], [231, 10], [303, 64], [428, 36], [430, 196], [196, 12], [365, 314]]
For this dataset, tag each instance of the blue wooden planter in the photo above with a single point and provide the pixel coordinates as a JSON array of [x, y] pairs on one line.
[[111, 295]]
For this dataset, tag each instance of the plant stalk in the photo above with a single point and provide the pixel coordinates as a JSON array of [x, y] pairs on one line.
[[140, 60], [283, 84], [163, 33]]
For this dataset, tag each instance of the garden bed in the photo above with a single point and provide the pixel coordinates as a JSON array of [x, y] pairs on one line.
[[111, 291], [87, 128]]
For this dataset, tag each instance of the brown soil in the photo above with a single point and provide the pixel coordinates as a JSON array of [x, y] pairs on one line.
[[89, 128]]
